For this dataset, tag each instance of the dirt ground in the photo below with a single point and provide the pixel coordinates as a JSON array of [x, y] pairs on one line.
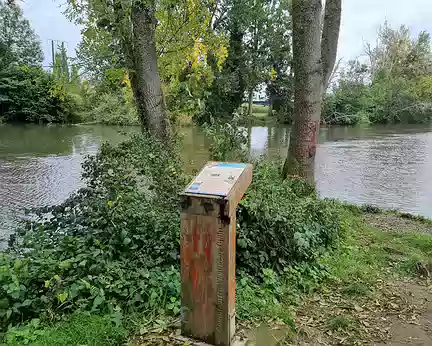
[[399, 313], [390, 222]]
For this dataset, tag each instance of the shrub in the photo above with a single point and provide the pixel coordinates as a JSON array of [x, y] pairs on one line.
[[111, 108], [30, 94], [282, 223], [228, 142], [113, 244]]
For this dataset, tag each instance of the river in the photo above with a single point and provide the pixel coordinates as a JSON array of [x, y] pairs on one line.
[[387, 166]]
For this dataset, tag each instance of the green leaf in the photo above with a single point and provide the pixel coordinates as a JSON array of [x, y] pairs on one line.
[[65, 265], [62, 297], [98, 301]]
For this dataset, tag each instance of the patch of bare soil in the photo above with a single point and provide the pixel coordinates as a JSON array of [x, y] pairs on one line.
[[394, 223], [396, 313]]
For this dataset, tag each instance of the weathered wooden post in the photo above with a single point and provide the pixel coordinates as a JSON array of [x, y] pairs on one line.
[[208, 246]]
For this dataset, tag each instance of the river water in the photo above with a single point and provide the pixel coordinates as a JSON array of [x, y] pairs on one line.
[[387, 166]]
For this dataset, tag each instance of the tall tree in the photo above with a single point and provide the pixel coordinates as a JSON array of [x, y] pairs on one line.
[[132, 25], [61, 66], [155, 41], [16, 35], [145, 77], [257, 42], [314, 59]]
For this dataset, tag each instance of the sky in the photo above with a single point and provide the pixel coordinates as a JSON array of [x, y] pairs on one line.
[[361, 20]]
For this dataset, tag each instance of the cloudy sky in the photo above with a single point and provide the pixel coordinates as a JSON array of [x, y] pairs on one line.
[[360, 22]]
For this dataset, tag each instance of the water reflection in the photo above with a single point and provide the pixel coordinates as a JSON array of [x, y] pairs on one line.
[[388, 166]]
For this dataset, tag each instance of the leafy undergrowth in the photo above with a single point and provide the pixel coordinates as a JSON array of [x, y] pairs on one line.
[[352, 296], [113, 247], [112, 250]]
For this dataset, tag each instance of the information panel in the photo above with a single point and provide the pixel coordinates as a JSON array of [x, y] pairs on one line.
[[216, 179]]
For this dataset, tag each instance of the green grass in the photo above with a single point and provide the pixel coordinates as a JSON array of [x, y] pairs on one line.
[[367, 253], [341, 323], [82, 329], [257, 109], [367, 256]]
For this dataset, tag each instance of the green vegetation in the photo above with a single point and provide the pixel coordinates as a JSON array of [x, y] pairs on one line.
[[394, 87], [103, 266], [110, 253], [271, 234], [81, 329], [27, 92], [114, 245]]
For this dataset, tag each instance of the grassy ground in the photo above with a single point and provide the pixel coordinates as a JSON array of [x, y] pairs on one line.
[[380, 283], [259, 117], [376, 289]]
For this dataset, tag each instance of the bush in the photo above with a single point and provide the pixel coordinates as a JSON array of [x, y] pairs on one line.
[[113, 244], [228, 142], [282, 223], [111, 108], [30, 94], [386, 100]]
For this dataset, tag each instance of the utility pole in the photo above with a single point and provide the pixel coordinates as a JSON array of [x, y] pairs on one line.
[[53, 55], [54, 44]]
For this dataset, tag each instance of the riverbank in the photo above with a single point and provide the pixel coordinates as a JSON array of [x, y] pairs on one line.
[[376, 290], [79, 270]]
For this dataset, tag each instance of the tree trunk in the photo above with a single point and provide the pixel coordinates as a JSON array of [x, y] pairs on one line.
[[307, 89], [313, 62], [250, 102], [145, 76], [329, 41]]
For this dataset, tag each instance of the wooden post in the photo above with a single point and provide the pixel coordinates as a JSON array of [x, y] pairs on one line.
[[208, 245]]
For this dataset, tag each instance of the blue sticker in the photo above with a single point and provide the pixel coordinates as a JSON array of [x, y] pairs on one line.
[[231, 165], [194, 187]]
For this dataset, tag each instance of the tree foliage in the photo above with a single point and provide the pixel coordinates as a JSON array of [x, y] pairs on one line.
[[393, 86], [280, 79], [19, 45], [30, 94], [114, 245]]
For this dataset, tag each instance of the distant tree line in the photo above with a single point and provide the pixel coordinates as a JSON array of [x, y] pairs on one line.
[[392, 85]]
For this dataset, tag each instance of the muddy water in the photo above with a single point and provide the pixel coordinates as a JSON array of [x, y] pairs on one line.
[[388, 166]]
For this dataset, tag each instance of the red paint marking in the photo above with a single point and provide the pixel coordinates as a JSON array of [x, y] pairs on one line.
[[195, 279], [195, 241], [208, 249], [187, 257]]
